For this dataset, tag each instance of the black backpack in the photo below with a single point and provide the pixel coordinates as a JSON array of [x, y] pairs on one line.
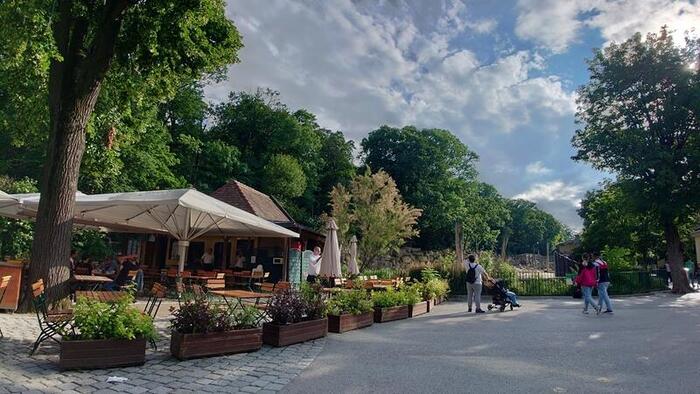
[[471, 274]]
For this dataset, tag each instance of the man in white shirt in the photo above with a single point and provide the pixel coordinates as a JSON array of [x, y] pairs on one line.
[[474, 282], [314, 265], [208, 259]]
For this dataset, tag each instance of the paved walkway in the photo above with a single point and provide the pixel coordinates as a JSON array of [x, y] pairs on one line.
[[264, 371], [650, 345]]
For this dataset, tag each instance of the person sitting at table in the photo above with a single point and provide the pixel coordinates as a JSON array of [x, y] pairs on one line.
[[123, 276], [73, 261], [109, 267], [240, 261]]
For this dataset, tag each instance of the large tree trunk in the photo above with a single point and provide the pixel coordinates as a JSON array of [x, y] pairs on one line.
[[459, 250], [674, 257], [504, 243], [74, 85]]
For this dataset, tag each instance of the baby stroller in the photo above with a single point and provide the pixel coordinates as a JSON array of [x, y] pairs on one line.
[[499, 297]]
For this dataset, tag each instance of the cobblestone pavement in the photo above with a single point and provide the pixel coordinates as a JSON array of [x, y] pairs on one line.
[[265, 371]]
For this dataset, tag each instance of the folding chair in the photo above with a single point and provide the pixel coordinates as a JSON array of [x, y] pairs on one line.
[[51, 323], [153, 304], [4, 282]]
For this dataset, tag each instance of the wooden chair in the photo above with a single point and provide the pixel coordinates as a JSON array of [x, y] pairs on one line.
[[51, 323], [215, 284], [220, 275], [256, 278], [4, 282]]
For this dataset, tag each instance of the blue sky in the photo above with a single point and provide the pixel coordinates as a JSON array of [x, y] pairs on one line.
[[501, 75]]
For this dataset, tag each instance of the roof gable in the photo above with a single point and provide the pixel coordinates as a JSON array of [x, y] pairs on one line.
[[248, 199]]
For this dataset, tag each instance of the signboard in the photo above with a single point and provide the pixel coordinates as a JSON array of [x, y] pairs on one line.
[[294, 267]]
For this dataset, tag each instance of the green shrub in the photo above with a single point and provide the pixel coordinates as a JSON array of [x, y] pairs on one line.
[[412, 294], [387, 299], [120, 320], [382, 273], [315, 306], [354, 302], [435, 288]]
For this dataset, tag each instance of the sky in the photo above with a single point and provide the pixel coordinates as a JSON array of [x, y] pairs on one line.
[[501, 75]]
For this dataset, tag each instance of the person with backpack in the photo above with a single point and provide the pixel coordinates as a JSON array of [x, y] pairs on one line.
[[474, 282], [587, 279], [603, 283]]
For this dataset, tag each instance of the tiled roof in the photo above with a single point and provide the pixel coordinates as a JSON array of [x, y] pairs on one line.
[[248, 199]]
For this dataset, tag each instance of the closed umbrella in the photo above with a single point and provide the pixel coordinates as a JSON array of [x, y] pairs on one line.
[[352, 265], [330, 259]]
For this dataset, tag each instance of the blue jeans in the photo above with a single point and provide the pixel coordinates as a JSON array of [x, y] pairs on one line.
[[587, 297], [603, 296], [512, 297]]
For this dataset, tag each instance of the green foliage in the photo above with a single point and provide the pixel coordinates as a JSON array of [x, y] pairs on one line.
[[387, 298], [435, 288], [92, 244], [372, 209], [354, 302], [284, 177], [412, 294], [121, 320], [381, 273], [530, 230], [619, 259], [16, 235]]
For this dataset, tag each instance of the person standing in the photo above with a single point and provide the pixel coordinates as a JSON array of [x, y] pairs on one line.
[[73, 261], [603, 284], [587, 280], [314, 265], [474, 283], [208, 260]]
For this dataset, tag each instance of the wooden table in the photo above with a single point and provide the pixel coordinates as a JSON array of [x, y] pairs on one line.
[[92, 281], [101, 296], [240, 295]]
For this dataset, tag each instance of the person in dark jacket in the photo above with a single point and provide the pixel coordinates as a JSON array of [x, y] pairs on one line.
[[603, 283]]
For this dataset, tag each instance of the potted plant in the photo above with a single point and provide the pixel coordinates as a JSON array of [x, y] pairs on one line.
[[389, 305], [350, 310], [106, 335], [435, 290], [413, 296], [295, 317], [200, 329]]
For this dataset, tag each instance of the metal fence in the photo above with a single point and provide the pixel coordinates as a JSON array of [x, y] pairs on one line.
[[546, 284]]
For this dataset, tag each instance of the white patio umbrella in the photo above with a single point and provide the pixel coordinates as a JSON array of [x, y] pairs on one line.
[[12, 205], [185, 214], [330, 259], [352, 265]]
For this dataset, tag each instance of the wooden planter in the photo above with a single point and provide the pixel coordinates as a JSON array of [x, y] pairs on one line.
[[288, 334], [186, 346], [382, 315], [418, 309], [102, 353], [438, 300], [347, 322]]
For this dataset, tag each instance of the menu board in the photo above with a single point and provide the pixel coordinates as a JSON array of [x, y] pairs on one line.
[[295, 270]]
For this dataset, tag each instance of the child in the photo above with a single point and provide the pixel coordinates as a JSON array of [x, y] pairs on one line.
[[587, 279]]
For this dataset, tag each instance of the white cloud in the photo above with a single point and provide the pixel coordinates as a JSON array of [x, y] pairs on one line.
[[553, 191], [556, 24], [537, 168]]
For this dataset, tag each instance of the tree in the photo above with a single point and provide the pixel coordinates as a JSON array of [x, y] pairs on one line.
[[284, 177], [372, 209], [16, 235], [528, 229], [640, 115], [159, 39], [433, 170]]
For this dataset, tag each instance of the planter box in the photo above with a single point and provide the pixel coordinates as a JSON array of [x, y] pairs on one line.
[[289, 334], [186, 346], [102, 353], [418, 309], [382, 315], [438, 300], [347, 322]]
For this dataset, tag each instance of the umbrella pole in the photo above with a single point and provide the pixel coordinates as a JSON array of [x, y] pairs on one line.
[[182, 252]]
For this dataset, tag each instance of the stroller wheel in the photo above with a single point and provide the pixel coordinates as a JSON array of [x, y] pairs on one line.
[[503, 308], [511, 307], [490, 307]]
